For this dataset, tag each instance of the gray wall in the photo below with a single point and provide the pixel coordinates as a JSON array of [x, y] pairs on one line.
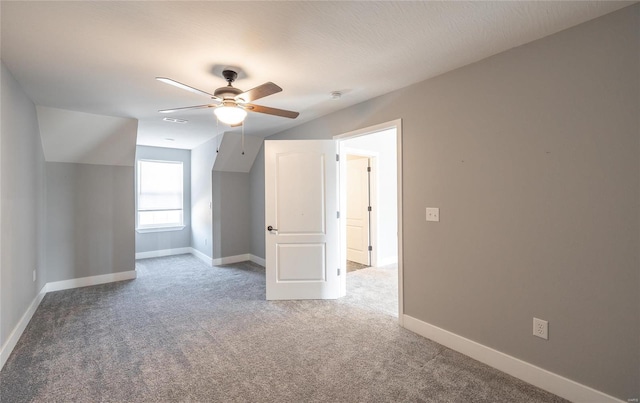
[[256, 192], [231, 214], [152, 241], [90, 220], [202, 159], [22, 205], [533, 157]]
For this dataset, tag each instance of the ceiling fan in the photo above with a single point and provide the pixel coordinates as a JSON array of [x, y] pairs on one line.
[[231, 104]]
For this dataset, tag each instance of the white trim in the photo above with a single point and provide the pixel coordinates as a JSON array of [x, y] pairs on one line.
[[393, 124], [397, 124], [163, 252], [258, 260], [144, 230], [92, 280], [201, 256], [530, 373], [231, 259], [13, 338]]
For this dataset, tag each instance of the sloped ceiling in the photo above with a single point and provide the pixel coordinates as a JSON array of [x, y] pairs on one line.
[[230, 157], [102, 57], [70, 136]]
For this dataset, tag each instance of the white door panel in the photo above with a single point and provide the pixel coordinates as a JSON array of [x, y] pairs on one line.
[[300, 192], [300, 262], [302, 249]]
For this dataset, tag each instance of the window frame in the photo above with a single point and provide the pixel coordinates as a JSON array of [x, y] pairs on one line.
[[158, 227]]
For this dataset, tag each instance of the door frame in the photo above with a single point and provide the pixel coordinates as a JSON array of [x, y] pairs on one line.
[[373, 198], [394, 124]]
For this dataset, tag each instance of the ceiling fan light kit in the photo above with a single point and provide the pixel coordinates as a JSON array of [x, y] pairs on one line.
[[230, 114], [232, 103]]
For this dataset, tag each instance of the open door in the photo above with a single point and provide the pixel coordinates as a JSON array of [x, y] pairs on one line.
[[302, 233], [358, 209]]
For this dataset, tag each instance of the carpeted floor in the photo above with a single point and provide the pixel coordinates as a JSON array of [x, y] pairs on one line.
[[183, 331], [373, 288], [353, 266]]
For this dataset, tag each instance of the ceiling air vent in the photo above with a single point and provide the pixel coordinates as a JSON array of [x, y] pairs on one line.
[[174, 120]]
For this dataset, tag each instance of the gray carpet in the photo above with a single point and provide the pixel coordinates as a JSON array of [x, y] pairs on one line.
[[183, 331], [373, 288], [353, 266]]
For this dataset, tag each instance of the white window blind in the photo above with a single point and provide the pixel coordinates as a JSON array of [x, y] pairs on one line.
[[160, 194]]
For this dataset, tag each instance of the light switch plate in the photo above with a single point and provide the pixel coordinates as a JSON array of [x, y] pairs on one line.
[[433, 214]]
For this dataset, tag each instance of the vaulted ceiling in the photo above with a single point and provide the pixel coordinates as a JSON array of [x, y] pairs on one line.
[[102, 57]]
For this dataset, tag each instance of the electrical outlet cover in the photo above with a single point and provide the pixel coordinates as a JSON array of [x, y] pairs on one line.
[[541, 328], [433, 214]]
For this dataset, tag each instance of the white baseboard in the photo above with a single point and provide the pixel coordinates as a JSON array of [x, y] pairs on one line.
[[257, 260], [174, 251], [231, 259], [530, 373], [13, 338], [93, 280], [201, 256], [163, 252]]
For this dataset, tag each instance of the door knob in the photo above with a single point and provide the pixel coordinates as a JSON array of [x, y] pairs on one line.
[[270, 228]]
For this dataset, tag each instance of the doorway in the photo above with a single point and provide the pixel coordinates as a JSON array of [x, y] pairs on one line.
[[359, 208], [378, 149]]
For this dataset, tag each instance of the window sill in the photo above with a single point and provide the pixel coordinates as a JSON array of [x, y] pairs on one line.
[[160, 229]]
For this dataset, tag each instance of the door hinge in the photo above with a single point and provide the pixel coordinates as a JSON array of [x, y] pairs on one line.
[[368, 169], [337, 214], [370, 248], [369, 208], [338, 271], [338, 157]]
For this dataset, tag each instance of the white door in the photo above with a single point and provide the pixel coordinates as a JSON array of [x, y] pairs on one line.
[[358, 209], [302, 234]]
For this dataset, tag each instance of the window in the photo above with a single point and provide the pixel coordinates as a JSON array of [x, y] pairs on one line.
[[159, 194]]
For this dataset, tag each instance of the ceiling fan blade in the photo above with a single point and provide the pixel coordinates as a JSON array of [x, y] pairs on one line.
[[271, 111], [185, 87], [187, 108], [258, 92]]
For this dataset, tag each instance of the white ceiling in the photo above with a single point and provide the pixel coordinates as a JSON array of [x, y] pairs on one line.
[[102, 57]]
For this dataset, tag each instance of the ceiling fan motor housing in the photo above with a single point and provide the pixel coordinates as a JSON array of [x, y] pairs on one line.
[[227, 92]]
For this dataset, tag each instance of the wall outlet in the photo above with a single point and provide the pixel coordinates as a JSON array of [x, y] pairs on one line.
[[34, 275], [541, 328], [433, 214]]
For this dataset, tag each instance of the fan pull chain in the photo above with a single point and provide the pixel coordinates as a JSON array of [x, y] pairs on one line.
[[217, 135], [242, 138]]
